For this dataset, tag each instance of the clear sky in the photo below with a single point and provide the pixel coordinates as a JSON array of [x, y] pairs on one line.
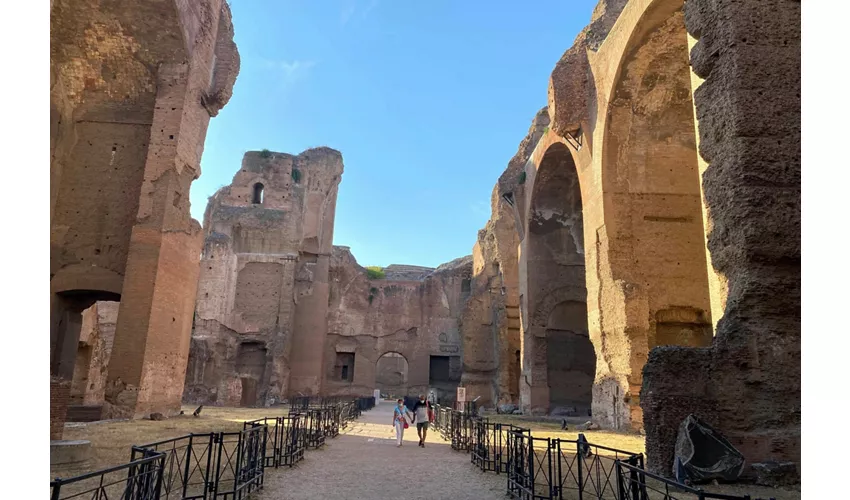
[[427, 101]]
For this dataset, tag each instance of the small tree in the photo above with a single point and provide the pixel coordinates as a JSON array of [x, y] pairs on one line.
[[375, 272], [265, 153]]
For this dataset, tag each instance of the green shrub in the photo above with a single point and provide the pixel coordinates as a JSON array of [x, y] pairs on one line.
[[265, 153], [545, 129], [375, 272], [296, 175], [373, 291], [521, 178]]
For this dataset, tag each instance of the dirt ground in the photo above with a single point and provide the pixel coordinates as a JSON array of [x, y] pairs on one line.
[[363, 463], [111, 440]]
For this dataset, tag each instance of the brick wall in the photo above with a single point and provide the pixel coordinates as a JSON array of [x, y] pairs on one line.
[[60, 390]]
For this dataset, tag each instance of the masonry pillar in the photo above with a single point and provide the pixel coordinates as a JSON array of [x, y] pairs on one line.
[[310, 328], [151, 347]]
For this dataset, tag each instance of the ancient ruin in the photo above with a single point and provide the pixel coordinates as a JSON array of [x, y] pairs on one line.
[[399, 334], [638, 208], [641, 264], [133, 87], [264, 277], [281, 312]]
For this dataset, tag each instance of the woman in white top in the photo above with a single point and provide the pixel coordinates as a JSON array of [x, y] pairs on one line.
[[400, 413]]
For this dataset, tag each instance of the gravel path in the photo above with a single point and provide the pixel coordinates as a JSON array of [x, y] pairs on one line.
[[363, 463]]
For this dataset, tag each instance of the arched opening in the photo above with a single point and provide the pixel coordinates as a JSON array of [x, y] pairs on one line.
[[561, 360], [391, 374], [258, 194], [71, 357], [653, 209]]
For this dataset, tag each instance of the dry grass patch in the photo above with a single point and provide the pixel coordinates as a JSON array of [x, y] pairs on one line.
[[111, 441], [631, 442]]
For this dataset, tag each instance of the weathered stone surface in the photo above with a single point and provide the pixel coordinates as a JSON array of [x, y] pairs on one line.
[[127, 126], [490, 321], [93, 353], [747, 108], [571, 86], [776, 474], [400, 334], [260, 317], [703, 454], [69, 451], [645, 201]]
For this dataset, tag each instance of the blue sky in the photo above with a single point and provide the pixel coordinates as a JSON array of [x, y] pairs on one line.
[[427, 101]]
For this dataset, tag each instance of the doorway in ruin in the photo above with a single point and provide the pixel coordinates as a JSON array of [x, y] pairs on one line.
[[80, 345], [250, 368], [563, 357], [391, 374]]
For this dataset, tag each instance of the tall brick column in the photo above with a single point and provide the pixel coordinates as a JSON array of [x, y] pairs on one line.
[[150, 352]]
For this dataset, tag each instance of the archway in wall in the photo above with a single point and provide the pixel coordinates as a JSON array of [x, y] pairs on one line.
[[391, 374], [653, 209], [563, 359], [73, 350]]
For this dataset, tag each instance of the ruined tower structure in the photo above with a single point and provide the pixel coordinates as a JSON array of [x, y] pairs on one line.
[[133, 86], [655, 251], [281, 312], [261, 312]]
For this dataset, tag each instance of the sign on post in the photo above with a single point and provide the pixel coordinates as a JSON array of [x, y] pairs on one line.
[[461, 395]]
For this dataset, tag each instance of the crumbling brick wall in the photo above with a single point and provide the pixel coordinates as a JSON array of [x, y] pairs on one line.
[[413, 313], [128, 121], [264, 279], [747, 384]]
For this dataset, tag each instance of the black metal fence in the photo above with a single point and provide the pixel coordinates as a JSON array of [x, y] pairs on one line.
[[286, 440], [539, 468], [215, 465], [137, 480], [491, 446]]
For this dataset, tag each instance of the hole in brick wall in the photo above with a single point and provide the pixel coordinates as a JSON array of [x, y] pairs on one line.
[[171, 137], [114, 149]]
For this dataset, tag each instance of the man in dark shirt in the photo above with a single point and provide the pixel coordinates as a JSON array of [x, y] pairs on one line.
[[421, 417]]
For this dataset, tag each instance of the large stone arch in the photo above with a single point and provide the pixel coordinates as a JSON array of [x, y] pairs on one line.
[[651, 262], [552, 262]]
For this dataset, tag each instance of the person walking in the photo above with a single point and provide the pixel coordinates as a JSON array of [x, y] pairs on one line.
[[422, 416], [400, 413]]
